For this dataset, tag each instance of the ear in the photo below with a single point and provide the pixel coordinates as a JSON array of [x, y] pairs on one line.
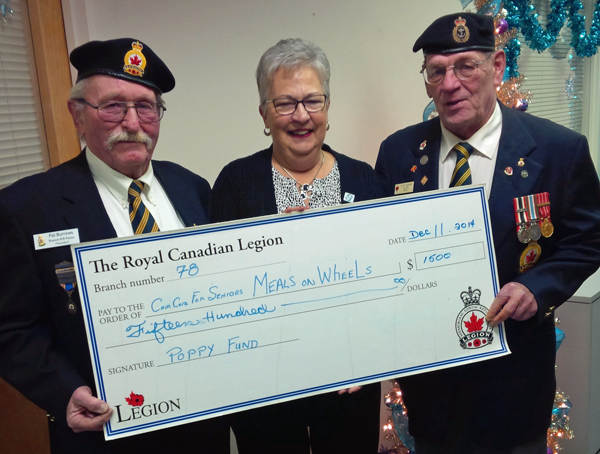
[[427, 87], [76, 116], [499, 62], [263, 113]]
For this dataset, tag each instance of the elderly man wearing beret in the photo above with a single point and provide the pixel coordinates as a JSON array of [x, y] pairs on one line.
[[544, 201], [112, 189]]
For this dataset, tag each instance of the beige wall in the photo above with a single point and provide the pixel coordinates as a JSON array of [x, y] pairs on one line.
[[213, 47]]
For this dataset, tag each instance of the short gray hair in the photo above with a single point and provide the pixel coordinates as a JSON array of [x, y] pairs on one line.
[[290, 54]]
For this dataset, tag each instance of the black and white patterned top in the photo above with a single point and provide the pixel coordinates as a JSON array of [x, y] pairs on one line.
[[326, 191]]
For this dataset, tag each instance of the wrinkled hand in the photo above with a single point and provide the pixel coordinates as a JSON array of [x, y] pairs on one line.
[[349, 390], [86, 412], [514, 301], [293, 209]]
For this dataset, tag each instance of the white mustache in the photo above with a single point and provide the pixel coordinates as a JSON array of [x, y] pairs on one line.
[[125, 136]]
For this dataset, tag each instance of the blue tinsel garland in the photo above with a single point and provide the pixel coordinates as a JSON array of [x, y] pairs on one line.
[[522, 16]]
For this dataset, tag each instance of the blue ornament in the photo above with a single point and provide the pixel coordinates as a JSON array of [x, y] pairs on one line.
[[563, 409], [560, 336]]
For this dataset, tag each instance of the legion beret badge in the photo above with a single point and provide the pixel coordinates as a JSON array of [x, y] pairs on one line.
[[135, 62]]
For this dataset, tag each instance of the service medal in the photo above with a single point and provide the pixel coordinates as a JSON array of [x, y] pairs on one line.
[[535, 232], [547, 228], [522, 220], [543, 205], [534, 229], [65, 273], [523, 234]]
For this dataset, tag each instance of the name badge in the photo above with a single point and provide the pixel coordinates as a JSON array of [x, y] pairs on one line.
[[404, 188], [55, 239]]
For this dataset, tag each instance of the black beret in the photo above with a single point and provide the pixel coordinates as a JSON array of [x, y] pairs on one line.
[[126, 58], [458, 32]]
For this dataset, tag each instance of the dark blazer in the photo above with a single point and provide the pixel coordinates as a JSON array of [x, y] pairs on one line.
[[43, 347], [507, 401], [244, 188]]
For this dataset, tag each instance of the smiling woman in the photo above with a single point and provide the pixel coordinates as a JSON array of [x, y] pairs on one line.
[[298, 172]]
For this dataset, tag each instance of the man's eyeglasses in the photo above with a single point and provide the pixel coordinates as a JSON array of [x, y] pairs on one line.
[[287, 106], [115, 111], [463, 69]]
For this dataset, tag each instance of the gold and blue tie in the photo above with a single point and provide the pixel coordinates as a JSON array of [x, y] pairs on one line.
[[139, 215], [462, 172]]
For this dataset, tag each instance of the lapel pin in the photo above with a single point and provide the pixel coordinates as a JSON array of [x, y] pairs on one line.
[[423, 145], [508, 171], [524, 173], [424, 180], [424, 160], [521, 162], [413, 169], [348, 197]]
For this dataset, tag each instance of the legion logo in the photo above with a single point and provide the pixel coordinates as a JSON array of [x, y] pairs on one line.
[[137, 408], [472, 329]]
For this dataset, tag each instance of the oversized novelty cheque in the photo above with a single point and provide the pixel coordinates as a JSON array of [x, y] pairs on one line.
[[196, 323]]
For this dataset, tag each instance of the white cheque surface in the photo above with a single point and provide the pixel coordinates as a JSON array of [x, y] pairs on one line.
[[201, 322]]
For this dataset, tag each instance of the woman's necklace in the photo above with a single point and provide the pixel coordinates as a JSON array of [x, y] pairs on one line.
[[305, 190]]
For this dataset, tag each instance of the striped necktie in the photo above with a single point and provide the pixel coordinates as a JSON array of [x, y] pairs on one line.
[[462, 172], [139, 215]]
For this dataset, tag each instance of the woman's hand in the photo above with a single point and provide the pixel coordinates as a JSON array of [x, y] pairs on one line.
[[349, 390], [293, 209]]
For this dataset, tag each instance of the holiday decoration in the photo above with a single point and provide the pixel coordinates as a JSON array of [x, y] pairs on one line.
[[559, 426], [396, 428], [520, 15], [506, 38], [5, 9], [569, 89]]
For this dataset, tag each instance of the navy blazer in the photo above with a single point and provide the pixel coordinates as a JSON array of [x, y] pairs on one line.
[[508, 401], [43, 347], [244, 188]]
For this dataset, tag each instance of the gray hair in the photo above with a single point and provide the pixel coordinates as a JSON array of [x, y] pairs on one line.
[[291, 54]]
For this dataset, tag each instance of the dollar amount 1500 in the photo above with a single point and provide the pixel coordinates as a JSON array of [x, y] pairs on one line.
[[432, 258]]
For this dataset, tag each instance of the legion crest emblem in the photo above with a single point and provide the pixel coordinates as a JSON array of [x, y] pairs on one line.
[[460, 33], [472, 329], [135, 62]]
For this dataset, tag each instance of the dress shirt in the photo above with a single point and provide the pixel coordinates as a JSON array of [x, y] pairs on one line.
[[483, 159], [113, 188]]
